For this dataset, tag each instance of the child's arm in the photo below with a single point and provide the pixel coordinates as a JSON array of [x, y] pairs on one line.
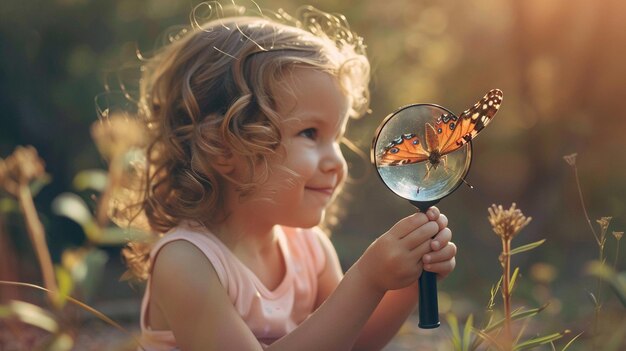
[[197, 309], [398, 304]]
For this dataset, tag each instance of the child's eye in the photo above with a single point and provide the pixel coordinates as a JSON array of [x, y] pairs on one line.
[[310, 133]]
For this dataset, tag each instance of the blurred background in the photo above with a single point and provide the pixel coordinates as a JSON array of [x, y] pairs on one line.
[[559, 63]]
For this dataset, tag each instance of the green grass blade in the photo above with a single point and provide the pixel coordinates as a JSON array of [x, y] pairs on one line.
[[571, 342], [516, 315], [453, 322], [541, 340], [527, 247], [467, 332]]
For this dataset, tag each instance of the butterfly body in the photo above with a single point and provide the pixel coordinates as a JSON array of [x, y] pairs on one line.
[[448, 133]]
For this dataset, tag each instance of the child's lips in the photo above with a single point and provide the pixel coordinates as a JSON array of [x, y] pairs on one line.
[[322, 190]]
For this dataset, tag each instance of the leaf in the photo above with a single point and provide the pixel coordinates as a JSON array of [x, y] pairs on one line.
[[494, 292], [454, 328], [61, 342], [571, 342], [73, 207], [34, 315], [80, 304], [513, 279], [467, 332], [488, 338], [86, 266], [95, 179], [617, 281], [516, 315], [541, 340], [66, 285], [527, 247]]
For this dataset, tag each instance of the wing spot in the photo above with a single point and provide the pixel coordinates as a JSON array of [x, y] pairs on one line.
[[475, 115]]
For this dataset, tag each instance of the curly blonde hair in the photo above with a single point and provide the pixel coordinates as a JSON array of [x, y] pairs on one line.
[[209, 95]]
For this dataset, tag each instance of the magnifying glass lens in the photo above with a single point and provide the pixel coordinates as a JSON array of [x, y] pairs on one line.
[[405, 156]]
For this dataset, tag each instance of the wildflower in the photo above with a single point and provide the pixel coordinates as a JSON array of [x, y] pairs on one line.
[[604, 224], [20, 168], [570, 159], [507, 223], [117, 134], [618, 235]]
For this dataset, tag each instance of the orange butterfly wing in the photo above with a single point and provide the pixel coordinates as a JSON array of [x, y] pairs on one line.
[[454, 132], [403, 150], [448, 134]]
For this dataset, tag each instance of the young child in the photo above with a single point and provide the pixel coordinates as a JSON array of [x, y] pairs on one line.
[[246, 116]]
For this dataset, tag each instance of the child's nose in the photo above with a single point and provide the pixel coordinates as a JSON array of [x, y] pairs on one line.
[[333, 159]]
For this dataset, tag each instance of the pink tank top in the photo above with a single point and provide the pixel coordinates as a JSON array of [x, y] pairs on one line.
[[270, 314]]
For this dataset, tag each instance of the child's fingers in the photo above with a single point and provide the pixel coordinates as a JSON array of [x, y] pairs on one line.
[[408, 224], [442, 220], [420, 235], [442, 269], [441, 239], [445, 254], [433, 213]]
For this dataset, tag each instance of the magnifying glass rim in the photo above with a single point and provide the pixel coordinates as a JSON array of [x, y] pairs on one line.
[[384, 123]]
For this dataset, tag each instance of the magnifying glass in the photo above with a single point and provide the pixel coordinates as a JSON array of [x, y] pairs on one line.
[[422, 153]]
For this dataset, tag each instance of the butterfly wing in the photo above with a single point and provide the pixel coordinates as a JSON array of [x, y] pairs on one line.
[[403, 150], [455, 132]]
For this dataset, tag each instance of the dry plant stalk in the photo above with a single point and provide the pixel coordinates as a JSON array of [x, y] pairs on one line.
[[507, 224], [16, 174], [600, 241], [115, 136]]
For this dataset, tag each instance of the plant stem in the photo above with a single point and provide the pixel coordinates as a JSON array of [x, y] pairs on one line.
[[616, 255], [506, 292], [37, 237], [582, 203]]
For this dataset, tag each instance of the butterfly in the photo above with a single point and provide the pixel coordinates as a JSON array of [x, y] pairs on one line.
[[449, 133]]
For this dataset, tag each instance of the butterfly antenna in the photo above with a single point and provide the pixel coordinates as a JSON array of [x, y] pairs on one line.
[[468, 184]]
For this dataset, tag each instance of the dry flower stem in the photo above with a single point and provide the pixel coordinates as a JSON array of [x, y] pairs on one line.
[[618, 236], [38, 239], [507, 224], [506, 291], [16, 173], [582, 203]]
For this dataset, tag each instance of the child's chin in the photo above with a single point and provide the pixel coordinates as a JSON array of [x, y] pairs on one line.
[[311, 221]]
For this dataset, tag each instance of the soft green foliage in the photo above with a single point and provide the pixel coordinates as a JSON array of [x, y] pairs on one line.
[[616, 280]]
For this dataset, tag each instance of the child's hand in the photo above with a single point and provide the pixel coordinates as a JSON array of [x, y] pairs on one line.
[[394, 260], [442, 258]]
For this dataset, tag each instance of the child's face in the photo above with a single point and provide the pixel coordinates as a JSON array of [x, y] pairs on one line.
[[307, 174]]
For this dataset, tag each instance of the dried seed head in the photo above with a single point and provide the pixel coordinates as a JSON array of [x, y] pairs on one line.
[[507, 223], [618, 235], [22, 166], [117, 134], [570, 159], [604, 224]]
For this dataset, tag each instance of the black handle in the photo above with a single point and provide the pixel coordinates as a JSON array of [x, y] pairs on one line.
[[428, 304]]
